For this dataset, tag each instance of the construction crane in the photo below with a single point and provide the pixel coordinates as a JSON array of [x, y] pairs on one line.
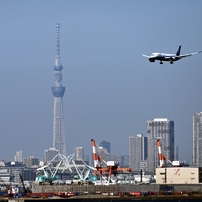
[[27, 191], [46, 174], [109, 169], [163, 158], [84, 174], [23, 185]]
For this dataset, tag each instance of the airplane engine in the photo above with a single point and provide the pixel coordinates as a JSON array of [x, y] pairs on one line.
[[172, 59], [151, 60]]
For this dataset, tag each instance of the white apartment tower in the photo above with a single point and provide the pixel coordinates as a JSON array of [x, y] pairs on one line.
[[163, 129], [197, 139], [137, 151], [79, 153], [18, 156], [50, 153]]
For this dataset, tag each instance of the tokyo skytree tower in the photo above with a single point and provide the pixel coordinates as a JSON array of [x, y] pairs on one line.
[[58, 91]]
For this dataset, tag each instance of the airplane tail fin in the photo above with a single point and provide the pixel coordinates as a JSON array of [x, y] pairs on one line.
[[178, 51]]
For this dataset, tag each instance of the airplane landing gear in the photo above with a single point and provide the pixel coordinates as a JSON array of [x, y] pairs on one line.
[[161, 62], [171, 62]]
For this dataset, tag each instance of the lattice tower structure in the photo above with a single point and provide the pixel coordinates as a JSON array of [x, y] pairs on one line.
[[58, 92]]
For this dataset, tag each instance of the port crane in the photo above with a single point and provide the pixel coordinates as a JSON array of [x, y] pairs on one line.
[[27, 191], [84, 173], [109, 169], [47, 174], [163, 158]]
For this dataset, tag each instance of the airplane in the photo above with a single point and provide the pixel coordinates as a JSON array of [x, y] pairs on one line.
[[168, 57]]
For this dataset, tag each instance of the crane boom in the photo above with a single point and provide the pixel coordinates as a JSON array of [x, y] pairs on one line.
[[162, 158], [112, 168]]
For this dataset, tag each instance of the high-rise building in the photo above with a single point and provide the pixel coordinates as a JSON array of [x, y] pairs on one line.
[[163, 129], [124, 161], [106, 145], [176, 153], [143, 165], [79, 153], [58, 91], [103, 153], [86, 159], [18, 156], [197, 139], [31, 161], [50, 153], [137, 151], [116, 158]]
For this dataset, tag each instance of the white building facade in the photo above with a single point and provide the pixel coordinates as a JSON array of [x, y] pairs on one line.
[[137, 151], [18, 156], [163, 129], [79, 153], [197, 139], [50, 153]]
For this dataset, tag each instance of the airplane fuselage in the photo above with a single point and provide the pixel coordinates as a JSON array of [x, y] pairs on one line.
[[163, 57], [168, 57]]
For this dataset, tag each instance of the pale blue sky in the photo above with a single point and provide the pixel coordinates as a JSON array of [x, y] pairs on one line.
[[111, 90]]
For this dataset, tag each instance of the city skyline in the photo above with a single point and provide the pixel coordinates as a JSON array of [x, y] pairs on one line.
[[138, 146], [111, 90]]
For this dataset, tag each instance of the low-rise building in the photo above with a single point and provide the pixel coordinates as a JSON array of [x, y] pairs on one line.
[[178, 175]]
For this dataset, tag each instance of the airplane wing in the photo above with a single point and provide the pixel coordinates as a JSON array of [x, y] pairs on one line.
[[189, 54], [145, 56]]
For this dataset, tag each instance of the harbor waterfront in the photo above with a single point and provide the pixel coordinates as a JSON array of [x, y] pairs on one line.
[[121, 188], [119, 192], [165, 198]]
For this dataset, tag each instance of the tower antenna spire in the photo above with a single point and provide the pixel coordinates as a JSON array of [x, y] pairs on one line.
[[57, 59], [58, 39]]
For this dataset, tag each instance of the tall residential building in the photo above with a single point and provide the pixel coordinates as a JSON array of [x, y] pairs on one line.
[[79, 153], [176, 153], [197, 139], [116, 158], [124, 161], [137, 151], [143, 165], [106, 145], [103, 153], [58, 91], [31, 161], [50, 153], [18, 156], [163, 129]]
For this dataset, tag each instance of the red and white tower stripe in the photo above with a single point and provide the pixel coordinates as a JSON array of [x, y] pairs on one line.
[[161, 157], [95, 157]]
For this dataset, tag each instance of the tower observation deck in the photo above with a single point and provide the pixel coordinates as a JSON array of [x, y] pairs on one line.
[[58, 91]]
